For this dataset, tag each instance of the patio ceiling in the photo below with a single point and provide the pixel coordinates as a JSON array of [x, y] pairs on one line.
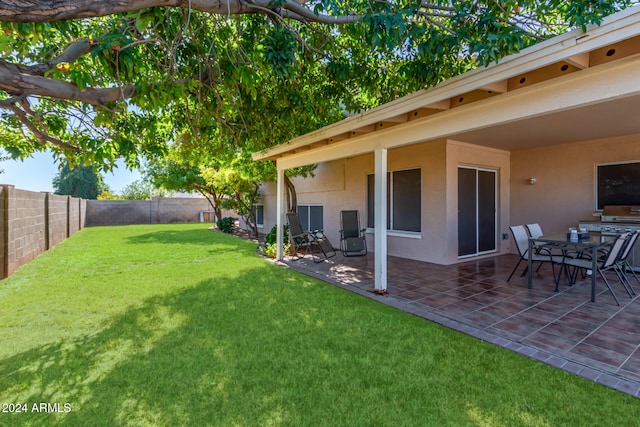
[[609, 108], [608, 119]]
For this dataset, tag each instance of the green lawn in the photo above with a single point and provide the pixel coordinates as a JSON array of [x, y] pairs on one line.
[[179, 325]]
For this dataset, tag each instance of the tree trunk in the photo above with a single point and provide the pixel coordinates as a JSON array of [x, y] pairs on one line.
[[214, 202], [250, 217], [292, 199], [216, 207]]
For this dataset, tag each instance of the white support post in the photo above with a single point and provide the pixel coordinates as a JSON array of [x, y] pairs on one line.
[[280, 211], [380, 213]]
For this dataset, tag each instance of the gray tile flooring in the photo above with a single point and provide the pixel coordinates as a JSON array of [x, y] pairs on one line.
[[599, 341]]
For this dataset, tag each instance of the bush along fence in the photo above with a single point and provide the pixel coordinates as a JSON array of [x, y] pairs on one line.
[[33, 222]]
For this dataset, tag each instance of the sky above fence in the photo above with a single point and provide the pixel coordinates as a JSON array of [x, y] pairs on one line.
[[36, 174]]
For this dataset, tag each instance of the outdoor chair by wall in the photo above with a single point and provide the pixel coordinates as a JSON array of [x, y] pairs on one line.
[[604, 264], [306, 240], [352, 240], [540, 255]]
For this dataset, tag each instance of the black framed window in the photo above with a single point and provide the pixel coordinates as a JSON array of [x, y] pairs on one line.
[[404, 200], [618, 184]]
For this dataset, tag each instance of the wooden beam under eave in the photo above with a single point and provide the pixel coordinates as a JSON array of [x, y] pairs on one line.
[[402, 118], [615, 51], [301, 149], [321, 143], [363, 130], [497, 87], [543, 74], [422, 112], [580, 61], [338, 138], [386, 124], [274, 157], [445, 104], [469, 97]]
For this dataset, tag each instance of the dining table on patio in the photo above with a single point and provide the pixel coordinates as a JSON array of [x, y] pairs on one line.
[[590, 243]]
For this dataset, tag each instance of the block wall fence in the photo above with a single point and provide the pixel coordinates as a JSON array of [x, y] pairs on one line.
[[33, 222]]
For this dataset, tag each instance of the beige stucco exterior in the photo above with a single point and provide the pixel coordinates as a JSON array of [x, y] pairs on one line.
[[563, 195], [342, 185], [564, 192]]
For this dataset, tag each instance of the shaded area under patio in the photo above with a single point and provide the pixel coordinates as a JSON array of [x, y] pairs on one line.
[[598, 341]]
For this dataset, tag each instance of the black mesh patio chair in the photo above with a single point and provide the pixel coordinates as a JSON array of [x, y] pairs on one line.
[[352, 240], [310, 242]]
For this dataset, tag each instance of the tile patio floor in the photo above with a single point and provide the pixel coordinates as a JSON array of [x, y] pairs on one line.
[[599, 341]]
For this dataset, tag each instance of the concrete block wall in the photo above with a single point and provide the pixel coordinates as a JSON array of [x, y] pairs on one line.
[[118, 212], [158, 210], [58, 219], [178, 209], [73, 219], [32, 222], [82, 215], [3, 231], [26, 227]]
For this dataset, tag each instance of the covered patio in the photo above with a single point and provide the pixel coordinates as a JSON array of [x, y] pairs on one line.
[[598, 341]]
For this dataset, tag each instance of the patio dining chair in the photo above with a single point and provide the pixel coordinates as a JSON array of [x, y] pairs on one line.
[[622, 264], [352, 239], [604, 264], [308, 240], [535, 231], [539, 254]]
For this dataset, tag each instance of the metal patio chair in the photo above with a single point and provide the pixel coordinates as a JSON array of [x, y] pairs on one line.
[[622, 264], [535, 231], [539, 254], [352, 239], [308, 240], [604, 264]]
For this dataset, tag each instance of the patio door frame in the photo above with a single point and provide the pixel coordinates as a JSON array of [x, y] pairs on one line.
[[478, 213]]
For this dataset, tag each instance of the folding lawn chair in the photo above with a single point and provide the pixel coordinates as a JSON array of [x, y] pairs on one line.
[[352, 240], [307, 240]]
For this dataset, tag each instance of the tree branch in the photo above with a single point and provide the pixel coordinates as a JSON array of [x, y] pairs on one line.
[[57, 10], [25, 84], [23, 115]]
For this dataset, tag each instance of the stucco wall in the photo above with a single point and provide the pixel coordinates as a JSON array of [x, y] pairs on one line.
[[463, 154], [564, 192], [342, 184]]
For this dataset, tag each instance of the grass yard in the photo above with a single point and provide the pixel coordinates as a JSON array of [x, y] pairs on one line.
[[179, 325]]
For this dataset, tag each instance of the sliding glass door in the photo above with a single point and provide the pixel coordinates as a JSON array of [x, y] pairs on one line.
[[477, 208]]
